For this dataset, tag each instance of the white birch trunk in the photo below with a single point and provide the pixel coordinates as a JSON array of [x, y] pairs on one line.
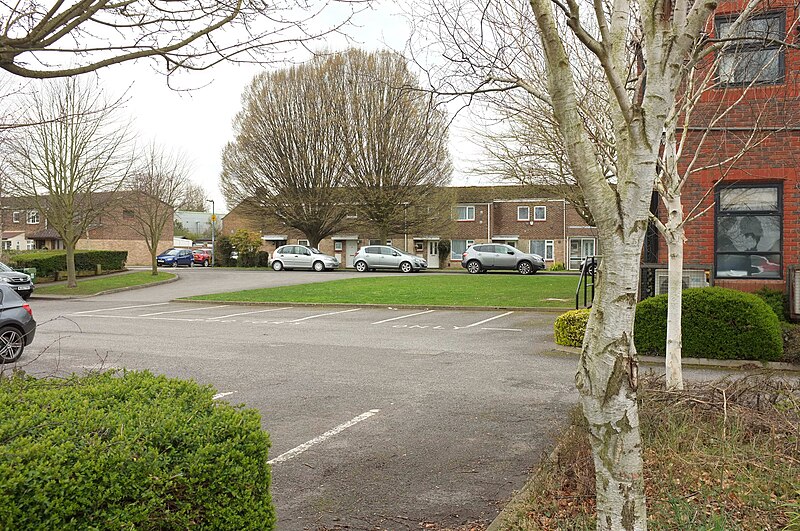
[[674, 234], [607, 381]]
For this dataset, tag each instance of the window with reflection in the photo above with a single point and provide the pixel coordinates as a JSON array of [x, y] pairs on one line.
[[748, 232], [754, 53]]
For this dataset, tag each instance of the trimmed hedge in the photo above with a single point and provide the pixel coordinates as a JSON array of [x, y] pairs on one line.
[[129, 451], [718, 323], [570, 327], [47, 263]]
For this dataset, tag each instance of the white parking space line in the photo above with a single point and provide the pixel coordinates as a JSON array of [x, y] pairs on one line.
[[184, 310], [402, 317], [137, 317], [318, 315], [221, 395], [504, 329], [120, 308], [297, 450], [481, 322], [247, 313]]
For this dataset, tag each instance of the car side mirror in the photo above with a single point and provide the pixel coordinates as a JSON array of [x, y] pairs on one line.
[[510, 252], [395, 253]]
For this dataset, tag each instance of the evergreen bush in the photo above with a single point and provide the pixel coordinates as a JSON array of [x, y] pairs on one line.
[[570, 327], [129, 451], [718, 323], [47, 263]]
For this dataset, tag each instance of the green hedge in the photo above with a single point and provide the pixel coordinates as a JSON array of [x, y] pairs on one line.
[[47, 263], [129, 451], [570, 327], [718, 323]]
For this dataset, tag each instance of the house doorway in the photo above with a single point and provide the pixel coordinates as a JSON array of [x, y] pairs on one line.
[[350, 249], [580, 248], [433, 254]]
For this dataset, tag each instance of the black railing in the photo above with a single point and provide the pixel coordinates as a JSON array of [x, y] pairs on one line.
[[587, 282]]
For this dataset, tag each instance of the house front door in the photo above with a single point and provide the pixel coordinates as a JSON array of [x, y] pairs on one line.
[[433, 255], [350, 249]]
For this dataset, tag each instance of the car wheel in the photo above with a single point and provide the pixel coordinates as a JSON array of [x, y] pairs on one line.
[[406, 267], [11, 344], [361, 267], [175, 264], [525, 268], [474, 267], [319, 267], [205, 263], [277, 266], [191, 264]]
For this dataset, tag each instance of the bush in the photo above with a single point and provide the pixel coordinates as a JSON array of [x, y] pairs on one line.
[[557, 266], [129, 451], [570, 327], [718, 323], [444, 252], [777, 300], [262, 259], [47, 263], [222, 252]]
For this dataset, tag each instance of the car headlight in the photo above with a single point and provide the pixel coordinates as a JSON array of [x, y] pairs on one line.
[[4, 280]]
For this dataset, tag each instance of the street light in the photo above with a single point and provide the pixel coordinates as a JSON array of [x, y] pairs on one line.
[[213, 223]]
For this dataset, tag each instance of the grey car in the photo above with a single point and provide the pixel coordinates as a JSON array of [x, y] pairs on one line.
[[17, 326], [19, 282], [484, 257], [387, 257], [302, 257]]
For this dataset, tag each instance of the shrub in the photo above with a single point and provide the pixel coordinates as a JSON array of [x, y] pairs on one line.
[[570, 327], [776, 299], [444, 253], [717, 323], [129, 451], [557, 266], [222, 252], [47, 263], [262, 259]]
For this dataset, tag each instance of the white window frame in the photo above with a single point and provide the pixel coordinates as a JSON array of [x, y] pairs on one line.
[[549, 249], [467, 209], [15, 216], [30, 244], [527, 216], [33, 217], [7, 245], [467, 245], [338, 245], [302, 242], [536, 216]]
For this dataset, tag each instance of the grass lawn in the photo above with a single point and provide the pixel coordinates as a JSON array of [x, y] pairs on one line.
[[511, 290], [721, 456], [96, 285]]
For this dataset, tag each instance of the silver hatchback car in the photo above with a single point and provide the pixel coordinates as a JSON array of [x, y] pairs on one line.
[[387, 257], [483, 257], [302, 257]]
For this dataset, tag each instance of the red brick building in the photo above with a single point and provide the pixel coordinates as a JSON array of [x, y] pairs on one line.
[[748, 236], [515, 215]]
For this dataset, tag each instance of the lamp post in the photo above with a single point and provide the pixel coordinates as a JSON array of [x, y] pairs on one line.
[[213, 232]]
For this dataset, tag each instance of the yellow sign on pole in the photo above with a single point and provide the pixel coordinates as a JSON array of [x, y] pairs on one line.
[[213, 218]]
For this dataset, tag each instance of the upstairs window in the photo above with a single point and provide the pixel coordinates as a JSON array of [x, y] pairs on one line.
[[33, 217], [523, 213], [754, 53], [465, 213], [539, 213], [15, 216]]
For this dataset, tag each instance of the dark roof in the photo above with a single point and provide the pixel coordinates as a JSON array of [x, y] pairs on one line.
[[487, 194], [44, 234]]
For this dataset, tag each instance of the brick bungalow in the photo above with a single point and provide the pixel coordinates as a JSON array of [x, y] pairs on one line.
[[481, 214]]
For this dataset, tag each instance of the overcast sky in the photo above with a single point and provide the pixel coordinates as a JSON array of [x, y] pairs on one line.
[[199, 122]]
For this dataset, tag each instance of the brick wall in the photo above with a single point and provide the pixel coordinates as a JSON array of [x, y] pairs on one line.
[[138, 254]]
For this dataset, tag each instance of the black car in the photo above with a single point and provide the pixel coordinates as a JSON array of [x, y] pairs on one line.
[[19, 282], [17, 326]]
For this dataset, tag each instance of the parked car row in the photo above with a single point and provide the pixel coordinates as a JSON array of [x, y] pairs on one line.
[[184, 257]]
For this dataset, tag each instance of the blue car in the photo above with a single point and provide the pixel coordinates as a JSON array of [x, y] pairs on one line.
[[175, 257]]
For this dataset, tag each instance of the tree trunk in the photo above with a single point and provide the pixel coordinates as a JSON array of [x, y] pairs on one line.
[[675, 238], [69, 247], [313, 241], [154, 261], [607, 380]]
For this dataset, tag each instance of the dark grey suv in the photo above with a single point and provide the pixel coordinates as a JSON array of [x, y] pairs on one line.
[[19, 282], [17, 326], [485, 256]]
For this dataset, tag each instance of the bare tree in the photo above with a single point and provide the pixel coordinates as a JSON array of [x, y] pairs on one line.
[[194, 198], [56, 39], [643, 49], [285, 160], [394, 141], [161, 183], [72, 160]]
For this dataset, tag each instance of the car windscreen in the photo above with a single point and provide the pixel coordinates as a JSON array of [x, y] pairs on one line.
[[4, 267], [170, 252], [315, 250]]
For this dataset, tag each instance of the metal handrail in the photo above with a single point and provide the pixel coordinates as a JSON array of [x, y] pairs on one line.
[[588, 270]]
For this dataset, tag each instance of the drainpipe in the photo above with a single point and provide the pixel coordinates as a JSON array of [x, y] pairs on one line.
[[489, 222], [566, 244]]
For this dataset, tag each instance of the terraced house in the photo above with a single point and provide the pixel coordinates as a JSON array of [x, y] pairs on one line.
[[516, 215]]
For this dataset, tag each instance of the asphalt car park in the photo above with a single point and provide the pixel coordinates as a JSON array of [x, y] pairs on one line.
[[379, 418]]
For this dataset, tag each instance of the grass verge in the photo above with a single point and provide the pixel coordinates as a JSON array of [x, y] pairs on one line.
[[96, 285], [722, 455], [510, 290]]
